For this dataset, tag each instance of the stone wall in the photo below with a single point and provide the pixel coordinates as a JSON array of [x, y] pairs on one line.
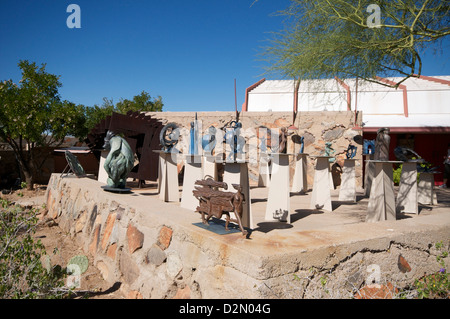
[[317, 128], [155, 251]]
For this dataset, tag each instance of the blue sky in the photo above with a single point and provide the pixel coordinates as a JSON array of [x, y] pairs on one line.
[[187, 51]]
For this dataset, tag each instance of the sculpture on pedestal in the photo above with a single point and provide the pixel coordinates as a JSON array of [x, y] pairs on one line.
[[351, 151], [215, 203], [209, 140], [328, 151], [382, 144], [368, 147], [234, 139], [119, 162], [193, 147], [169, 136]]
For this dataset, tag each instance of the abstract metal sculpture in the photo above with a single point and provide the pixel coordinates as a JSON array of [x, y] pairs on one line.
[[408, 155], [215, 203], [74, 165], [169, 137], [193, 146], [209, 140], [328, 151], [119, 162], [382, 144], [351, 151], [368, 147], [234, 139]]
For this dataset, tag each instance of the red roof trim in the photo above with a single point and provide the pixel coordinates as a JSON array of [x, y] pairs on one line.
[[245, 105], [423, 129], [405, 93], [433, 79]]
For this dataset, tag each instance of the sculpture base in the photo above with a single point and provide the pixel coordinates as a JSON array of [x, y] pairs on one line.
[[217, 226], [116, 189]]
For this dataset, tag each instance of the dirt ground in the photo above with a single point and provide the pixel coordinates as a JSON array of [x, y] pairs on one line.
[[60, 247]]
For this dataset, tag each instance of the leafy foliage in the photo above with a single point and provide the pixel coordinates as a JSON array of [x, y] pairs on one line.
[[436, 285], [22, 275], [32, 114], [142, 102], [325, 38]]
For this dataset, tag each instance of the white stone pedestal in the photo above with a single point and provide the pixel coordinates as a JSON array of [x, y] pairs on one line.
[[407, 193], [278, 206], [347, 191], [425, 189], [237, 173], [300, 181], [209, 166], [321, 194], [264, 171], [382, 200], [192, 173], [168, 177], [102, 175]]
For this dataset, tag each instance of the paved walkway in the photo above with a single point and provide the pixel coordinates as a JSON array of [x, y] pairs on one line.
[[303, 218]]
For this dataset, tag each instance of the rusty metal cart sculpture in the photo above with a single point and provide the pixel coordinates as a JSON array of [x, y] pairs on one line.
[[215, 203]]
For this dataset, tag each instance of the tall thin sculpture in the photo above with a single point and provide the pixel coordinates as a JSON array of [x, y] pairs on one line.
[[382, 144]]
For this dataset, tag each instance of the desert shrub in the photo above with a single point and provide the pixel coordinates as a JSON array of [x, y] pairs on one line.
[[22, 275]]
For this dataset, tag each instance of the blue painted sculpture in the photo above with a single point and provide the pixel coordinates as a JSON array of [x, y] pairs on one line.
[[193, 147], [209, 140], [368, 147], [351, 151], [302, 145]]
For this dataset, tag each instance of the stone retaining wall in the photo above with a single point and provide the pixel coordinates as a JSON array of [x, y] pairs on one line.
[[155, 251]]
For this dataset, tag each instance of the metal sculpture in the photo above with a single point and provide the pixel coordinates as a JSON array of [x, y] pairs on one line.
[[141, 131], [119, 162], [215, 203], [169, 137], [302, 145], [351, 151], [74, 165], [408, 155], [382, 144], [368, 147], [234, 139], [282, 145], [328, 151], [209, 140], [193, 146]]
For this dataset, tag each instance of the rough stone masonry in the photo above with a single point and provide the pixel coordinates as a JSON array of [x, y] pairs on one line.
[[155, 251]]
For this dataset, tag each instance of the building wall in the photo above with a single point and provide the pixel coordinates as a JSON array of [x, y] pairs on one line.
[[431, 147]]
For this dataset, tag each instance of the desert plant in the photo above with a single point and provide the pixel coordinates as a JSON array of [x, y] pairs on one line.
[[435, 285], [22, 275]]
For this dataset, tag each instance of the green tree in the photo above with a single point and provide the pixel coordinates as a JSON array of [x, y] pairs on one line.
[[357, 38], [32, 114], [142, 102]]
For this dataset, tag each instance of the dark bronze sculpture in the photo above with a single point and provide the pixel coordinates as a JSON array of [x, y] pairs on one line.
[[74, 165], [169, 136], [382, 144], [215, 203]]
